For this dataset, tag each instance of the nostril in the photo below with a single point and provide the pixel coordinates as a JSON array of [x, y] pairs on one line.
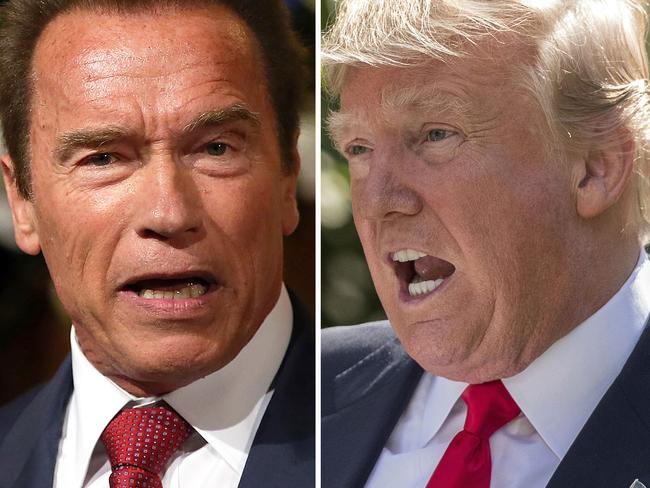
[[169, 223], [152, 234], [169, 233]]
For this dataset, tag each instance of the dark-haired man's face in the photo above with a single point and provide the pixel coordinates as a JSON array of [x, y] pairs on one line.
[[159, 197]]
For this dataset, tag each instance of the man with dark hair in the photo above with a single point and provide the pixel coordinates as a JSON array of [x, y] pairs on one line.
[[152, 159]]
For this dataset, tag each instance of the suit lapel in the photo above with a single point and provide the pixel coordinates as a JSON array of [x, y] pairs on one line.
[[613, 448], [283, 451], [28, 452], [369, 399]]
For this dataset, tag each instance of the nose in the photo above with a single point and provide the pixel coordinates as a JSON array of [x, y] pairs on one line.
[[387, 191], [170, 207]]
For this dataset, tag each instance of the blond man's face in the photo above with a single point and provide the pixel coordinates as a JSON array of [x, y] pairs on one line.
[[466, 220]]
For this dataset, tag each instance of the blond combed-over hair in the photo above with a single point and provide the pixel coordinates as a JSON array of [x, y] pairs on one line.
[[589, 73]]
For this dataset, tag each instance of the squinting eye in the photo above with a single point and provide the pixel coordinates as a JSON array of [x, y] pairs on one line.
[[216, 148], [102, 159], [357, 150], [436, 135]]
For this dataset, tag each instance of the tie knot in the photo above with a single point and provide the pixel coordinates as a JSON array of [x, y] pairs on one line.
[[144, 438], [489, 407]]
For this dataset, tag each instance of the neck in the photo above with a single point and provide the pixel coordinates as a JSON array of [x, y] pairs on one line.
[[601, 270]]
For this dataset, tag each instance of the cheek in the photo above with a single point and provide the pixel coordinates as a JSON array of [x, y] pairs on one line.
[[503, 216], [502, 200], [512, 235], [79, 234], [366, 232], [362, 224], [248, 214]]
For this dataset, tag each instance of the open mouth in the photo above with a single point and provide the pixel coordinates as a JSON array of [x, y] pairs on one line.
[[171, 288], [419, 273]]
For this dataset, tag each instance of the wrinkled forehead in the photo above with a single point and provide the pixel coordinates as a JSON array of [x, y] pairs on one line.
[[485, 80], [95, 44], [391, 96], [393, 103]]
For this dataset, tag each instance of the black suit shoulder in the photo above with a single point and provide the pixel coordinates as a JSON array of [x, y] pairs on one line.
[[10, 412], [43, 396], [342, 347], [30, 429], [357, 360], [366, 379]]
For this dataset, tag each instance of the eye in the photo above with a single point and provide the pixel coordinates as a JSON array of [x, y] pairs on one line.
[[100, 159], [435, 135], [357, 150], [216, 148]]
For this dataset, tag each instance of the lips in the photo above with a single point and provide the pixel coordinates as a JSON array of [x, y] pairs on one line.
[[419, 273], [171, 286]]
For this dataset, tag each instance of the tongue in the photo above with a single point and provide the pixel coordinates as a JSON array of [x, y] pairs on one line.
[[431, 268]]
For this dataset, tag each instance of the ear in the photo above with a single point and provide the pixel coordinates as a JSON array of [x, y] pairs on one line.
[[603, 176], [290, 214], [22, 211]]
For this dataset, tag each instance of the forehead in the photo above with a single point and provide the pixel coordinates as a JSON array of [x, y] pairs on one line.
[[460, 84], [486, 80], [94, 55]]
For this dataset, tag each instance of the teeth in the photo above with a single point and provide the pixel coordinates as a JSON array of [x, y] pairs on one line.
[[407, 255], [192, 291], [421, 287]]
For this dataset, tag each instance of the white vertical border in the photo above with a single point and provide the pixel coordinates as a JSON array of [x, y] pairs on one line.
[[317, 169]]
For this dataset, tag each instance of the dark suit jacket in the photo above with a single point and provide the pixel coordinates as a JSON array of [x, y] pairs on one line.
[[368, 379], [282, 454]]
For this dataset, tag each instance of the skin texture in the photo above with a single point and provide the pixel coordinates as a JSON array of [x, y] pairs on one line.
[[161, 196], [451, 159]]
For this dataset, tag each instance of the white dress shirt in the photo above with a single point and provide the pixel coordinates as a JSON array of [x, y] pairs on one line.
[[556, 393], [224, 408]]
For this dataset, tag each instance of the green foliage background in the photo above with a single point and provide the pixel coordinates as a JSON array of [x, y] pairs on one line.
[[347, 293]]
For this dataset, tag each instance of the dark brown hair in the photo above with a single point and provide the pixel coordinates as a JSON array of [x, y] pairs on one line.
[[23, 21]]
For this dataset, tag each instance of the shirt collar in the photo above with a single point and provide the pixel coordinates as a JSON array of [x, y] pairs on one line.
[[439, 399], [224, 407], [560, 389]]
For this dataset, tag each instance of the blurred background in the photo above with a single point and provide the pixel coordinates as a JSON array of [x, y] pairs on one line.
[[347, 293], [34, 330]]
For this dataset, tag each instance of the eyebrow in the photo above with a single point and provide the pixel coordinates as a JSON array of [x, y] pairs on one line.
[[218, 117], [423, 99], [418, 99], [72, 141], [338, 124]]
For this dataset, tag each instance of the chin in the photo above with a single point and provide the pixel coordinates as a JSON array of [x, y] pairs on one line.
[[443, 348], [173, 367]]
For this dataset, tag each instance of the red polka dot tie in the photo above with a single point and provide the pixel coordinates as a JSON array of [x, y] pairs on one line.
[[140, 442], [467, 461]]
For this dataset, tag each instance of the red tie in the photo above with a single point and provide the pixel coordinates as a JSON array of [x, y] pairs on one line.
[[140, 442], [467, 462]]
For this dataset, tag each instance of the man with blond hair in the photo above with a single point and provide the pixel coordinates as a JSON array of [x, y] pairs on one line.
[[498, 156]]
